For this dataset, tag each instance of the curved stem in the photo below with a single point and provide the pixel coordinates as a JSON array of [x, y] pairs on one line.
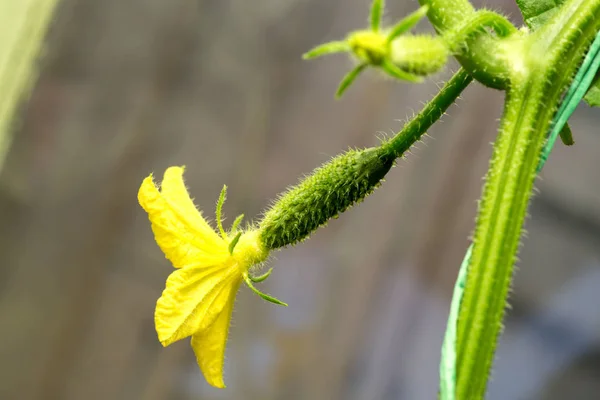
[[481, 54], [480, 20]]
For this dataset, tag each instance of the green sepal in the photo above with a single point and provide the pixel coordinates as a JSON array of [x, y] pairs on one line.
[[395, 72], [236, 223], [219, 211], [376, 14], [234, 242], [327, 48], [261, 278], [348, 79], [407, 23], [265, 296]]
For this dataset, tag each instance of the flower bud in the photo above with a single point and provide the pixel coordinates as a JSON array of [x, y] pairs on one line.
[[368, 46]]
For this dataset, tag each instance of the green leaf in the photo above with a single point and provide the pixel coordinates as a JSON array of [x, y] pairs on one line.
[[535, 14], [592, 97], [567, 136]]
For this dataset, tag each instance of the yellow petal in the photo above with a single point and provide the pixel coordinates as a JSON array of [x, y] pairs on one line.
[[180, 231], [209, 344], [174, 191], [192, 300]]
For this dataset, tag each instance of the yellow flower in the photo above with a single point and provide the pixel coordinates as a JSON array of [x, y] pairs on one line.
[[199, 294]]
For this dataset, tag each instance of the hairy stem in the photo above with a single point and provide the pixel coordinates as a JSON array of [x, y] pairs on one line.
[[544, 65], [415, 128], [481, 53]]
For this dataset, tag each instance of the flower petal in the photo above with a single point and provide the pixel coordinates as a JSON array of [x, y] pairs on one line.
[[174, 191], [180, 231], [209, 344], [192, 300]]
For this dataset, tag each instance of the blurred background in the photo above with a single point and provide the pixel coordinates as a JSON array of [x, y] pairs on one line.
[[129, 87]]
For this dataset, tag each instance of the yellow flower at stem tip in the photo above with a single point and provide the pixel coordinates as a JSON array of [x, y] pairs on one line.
[[210, 266]]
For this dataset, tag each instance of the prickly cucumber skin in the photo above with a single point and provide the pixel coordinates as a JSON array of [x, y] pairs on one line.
[[328, 191], [420, 54]]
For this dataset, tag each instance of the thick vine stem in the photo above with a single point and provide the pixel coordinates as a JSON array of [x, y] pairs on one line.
[[542, 67]]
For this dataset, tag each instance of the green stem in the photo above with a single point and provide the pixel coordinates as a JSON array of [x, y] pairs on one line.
[[505, 198], [415, 128], [546, 64], [577, 90]]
